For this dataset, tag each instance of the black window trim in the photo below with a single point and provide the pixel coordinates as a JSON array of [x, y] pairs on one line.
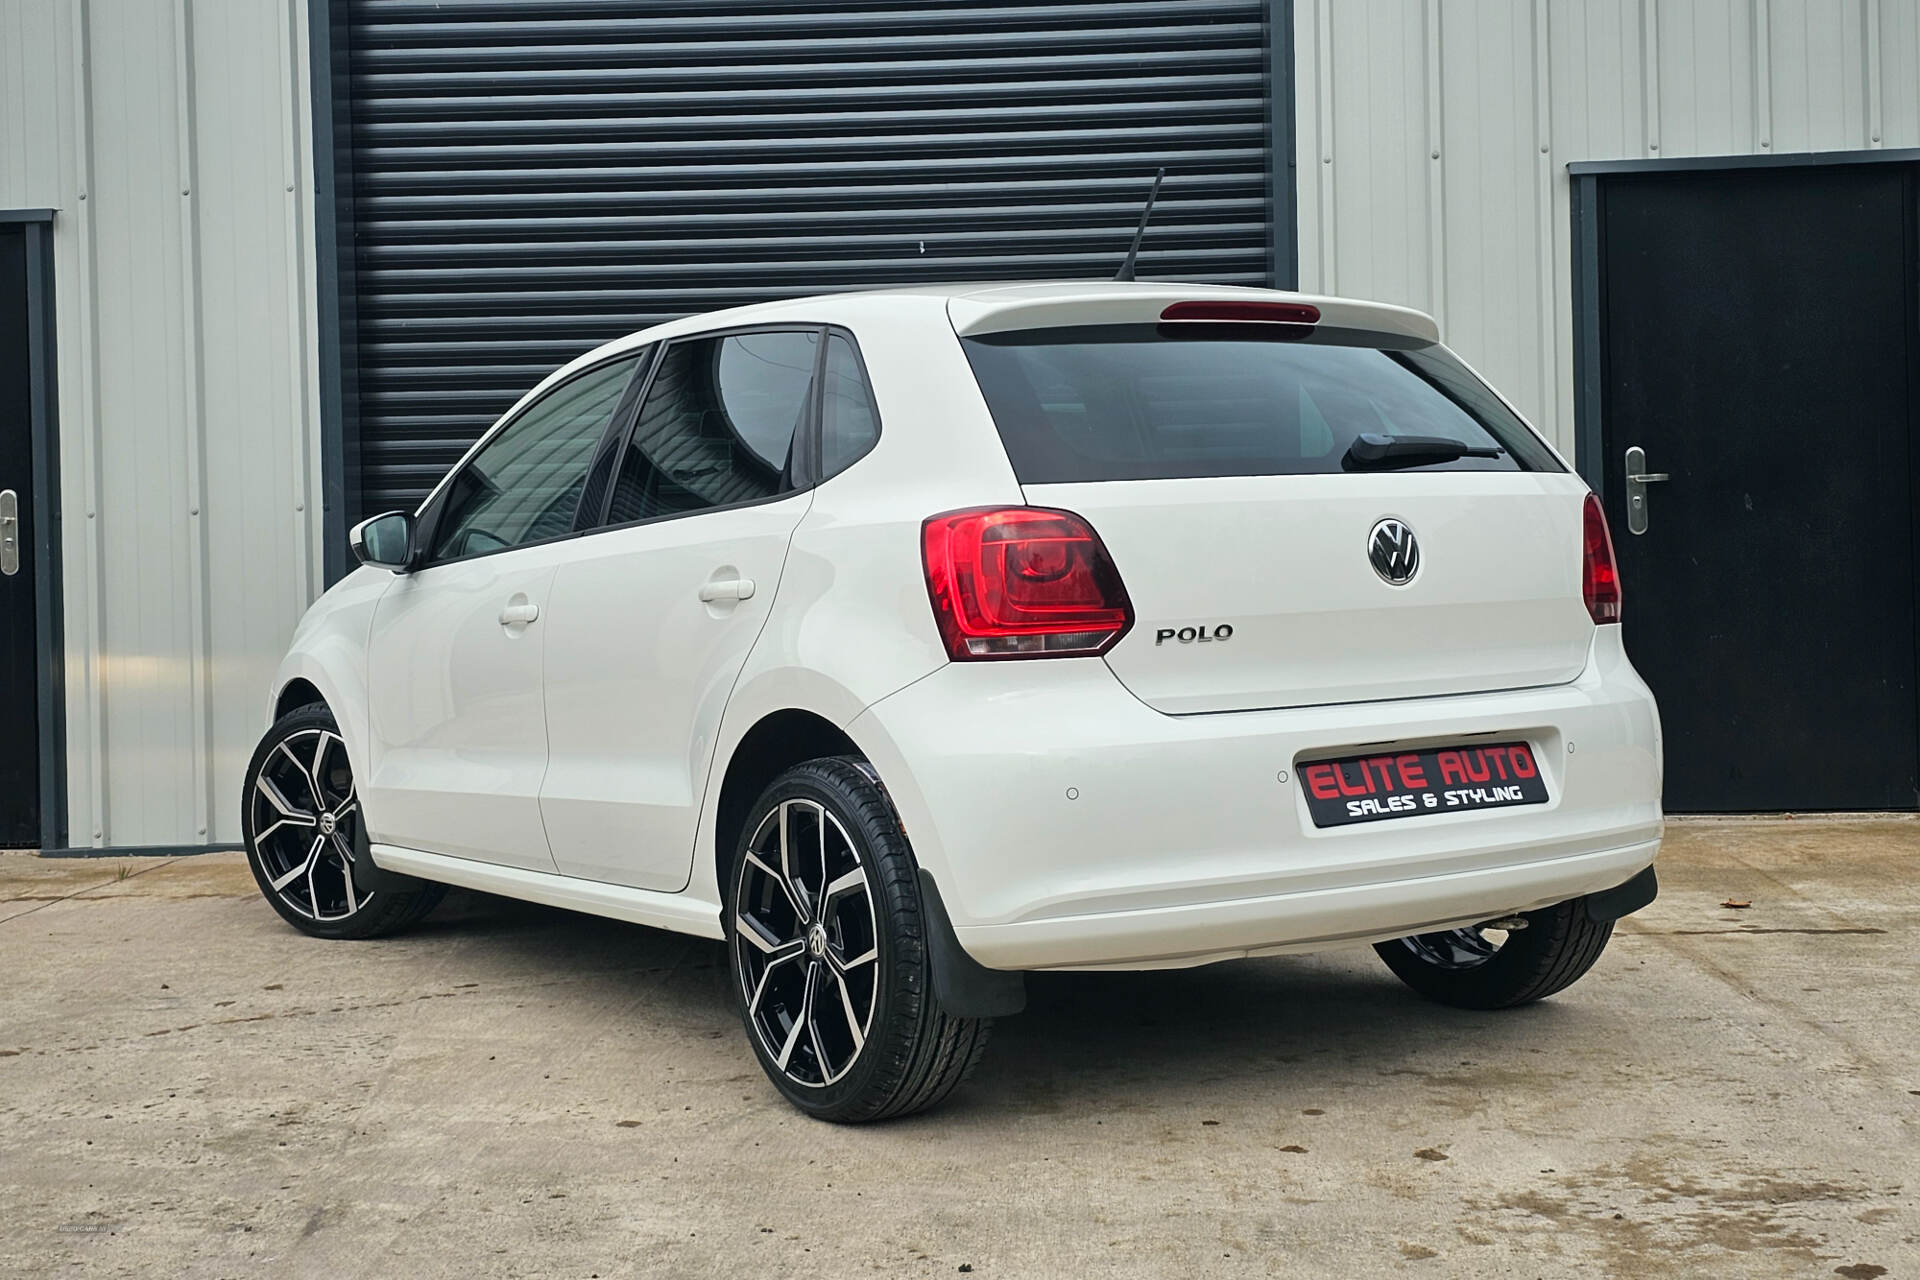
[[808, 454], [617, 436], [427, 518]]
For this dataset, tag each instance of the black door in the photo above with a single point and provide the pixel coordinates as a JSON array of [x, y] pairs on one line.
[[19, 648], [1759, 344]]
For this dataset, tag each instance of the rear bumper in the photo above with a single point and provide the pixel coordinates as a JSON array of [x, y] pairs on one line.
[[1068, 825], [1313, 920]]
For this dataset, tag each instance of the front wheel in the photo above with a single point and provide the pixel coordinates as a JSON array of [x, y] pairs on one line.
[[1482, 968], [301, 817], [828, 945]]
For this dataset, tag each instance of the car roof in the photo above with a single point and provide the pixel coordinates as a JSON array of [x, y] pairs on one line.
[[976, 307]]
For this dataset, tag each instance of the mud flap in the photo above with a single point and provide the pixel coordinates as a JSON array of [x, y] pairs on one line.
[[964, 987], [1623, 900]]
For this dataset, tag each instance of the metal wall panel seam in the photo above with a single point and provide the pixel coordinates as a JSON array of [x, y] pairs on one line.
[[87, 430], [1546, 281], [193, 397], [1763, 72], [1650, 75], [1870, 38], [1436, 169], [293, 89], [1323, 137], [1282, 235]]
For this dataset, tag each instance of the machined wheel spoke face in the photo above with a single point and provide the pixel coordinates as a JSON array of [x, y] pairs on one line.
[[302, 815], [1454, 949], [805, 943]]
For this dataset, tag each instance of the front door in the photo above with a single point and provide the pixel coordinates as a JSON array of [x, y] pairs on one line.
[[456, 657], [19, 641], [1759, 351]]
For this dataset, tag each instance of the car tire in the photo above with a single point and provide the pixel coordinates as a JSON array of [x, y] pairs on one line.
[[1467, 969], [300, 819], [827, 946]]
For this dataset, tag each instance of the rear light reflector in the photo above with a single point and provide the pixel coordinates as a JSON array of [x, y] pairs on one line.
[[1243, 312], [1599, 575], [1021, 582]]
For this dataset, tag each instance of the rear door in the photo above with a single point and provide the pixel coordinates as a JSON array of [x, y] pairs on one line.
[[654, 614], [457, 652], [1214, 462]]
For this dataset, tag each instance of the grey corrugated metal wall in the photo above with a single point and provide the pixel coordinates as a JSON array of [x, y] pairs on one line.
[[529, 180], [1434, 139], [170, 139]]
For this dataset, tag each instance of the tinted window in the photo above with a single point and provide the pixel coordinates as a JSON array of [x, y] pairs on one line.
[[1141, 402], [525, 483], [717, 426], [849, 422]]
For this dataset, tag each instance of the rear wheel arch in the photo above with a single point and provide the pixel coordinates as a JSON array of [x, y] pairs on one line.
[[777, 741]]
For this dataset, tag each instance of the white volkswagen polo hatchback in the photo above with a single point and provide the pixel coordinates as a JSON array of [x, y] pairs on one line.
[[911, 640]]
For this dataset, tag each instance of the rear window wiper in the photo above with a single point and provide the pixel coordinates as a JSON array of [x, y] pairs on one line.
[[1371, 451]]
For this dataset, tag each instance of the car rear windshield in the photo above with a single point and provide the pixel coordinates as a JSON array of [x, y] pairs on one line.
[[1152, 402]]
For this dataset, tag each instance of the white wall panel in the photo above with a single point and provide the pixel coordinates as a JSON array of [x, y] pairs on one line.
[[171, 138], [1510, 93]]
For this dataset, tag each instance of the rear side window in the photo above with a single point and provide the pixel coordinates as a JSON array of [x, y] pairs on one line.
[[849, 420], [1149, 402], [717, 426]]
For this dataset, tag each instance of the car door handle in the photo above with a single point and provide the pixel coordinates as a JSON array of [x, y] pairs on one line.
[[519, 614], [727, 589]]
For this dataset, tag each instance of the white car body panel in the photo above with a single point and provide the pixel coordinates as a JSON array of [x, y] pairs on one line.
[[459, 736], [1074, 812], [638, 669], [1282, 560]]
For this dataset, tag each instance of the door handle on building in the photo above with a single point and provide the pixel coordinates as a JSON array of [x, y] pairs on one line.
[[9, 533], [727, 589], [1638, 478]]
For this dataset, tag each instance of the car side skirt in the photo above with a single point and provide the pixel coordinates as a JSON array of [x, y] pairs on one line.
[[659, 910]]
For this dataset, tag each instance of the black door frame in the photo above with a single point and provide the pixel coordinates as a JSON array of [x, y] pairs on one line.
[[1588, 264], [44, 429]]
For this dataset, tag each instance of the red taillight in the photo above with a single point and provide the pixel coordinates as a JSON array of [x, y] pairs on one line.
[[1599, 576], [1243, 312], [1021, 582]]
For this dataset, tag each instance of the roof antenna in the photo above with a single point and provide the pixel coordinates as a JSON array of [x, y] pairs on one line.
[[1126, 268]]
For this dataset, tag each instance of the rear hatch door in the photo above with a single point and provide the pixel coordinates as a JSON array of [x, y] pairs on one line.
[[1242, 475]]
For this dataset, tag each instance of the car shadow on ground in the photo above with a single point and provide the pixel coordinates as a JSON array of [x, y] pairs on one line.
[[1312, 1030]]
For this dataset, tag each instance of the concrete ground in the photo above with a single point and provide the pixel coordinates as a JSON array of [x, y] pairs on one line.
[[190, 1088]]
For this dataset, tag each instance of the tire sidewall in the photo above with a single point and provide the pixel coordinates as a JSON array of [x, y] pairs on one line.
[[1513, 974]]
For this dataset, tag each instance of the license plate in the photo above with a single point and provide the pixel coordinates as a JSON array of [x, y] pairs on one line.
[[1407, 784]]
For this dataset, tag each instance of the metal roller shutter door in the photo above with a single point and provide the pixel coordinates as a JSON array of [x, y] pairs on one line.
[[530, 179]]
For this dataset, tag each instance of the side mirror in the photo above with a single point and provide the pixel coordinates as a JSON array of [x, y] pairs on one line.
[[384, 541]]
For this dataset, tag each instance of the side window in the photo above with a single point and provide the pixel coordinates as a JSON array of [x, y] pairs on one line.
[[525, 484], [849, 421], [717, 426]]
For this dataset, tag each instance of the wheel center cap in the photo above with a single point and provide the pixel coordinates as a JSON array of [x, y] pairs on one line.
[[327, 824], [817, 941]]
